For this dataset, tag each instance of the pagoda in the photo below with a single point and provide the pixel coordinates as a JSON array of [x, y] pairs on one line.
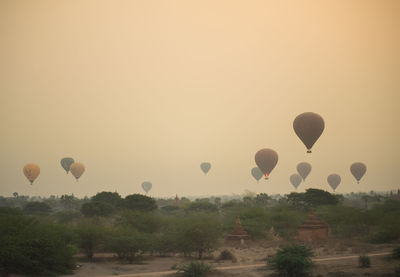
[[312, 229], [238, 232]]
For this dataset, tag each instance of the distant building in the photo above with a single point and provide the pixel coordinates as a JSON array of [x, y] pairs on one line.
[[176, 201], [238, 233], [395, 196], [312, 229]]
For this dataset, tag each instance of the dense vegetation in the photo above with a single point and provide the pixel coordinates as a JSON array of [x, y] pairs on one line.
[[34, 229]]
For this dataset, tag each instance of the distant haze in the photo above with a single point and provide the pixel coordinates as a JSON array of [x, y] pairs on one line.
[[147, 90]]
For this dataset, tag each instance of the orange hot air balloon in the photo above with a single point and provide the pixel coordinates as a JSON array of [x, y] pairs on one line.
[[77, 169], [31, 172]]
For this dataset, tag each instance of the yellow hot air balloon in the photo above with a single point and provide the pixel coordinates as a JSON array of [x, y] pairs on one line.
[[77, 169], [31, 172]]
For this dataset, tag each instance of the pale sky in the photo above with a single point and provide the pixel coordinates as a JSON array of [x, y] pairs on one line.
[[147, 90]]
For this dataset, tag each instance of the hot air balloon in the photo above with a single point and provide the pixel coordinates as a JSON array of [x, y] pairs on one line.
[[77, 170], [303, 169], [146, 186], [31, 172], [295, 179], [205, 167], [257, 174], [308, 127], [334, 181], [266, 160], [358, 170], [66, 163]]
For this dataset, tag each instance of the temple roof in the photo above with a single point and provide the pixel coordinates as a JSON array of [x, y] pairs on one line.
[[238, 231], [312, 222]]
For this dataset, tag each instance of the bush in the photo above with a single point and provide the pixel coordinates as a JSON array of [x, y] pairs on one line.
[[95, 208], [227, 255], [139, 202], [364, 261], [38, 208], [396, 253], [90, 238], [292, 261], [195, 269], [34, 248]]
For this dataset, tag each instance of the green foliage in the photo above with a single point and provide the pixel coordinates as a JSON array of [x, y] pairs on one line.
[[227, 255], [67, 216], [90, 237], [94, 208], [139, 202], [37, 208], [312, 198], [111, 198], [128, 243], [146, 222], [201, 206], [195, 269], [364, 261], [396, 252], [292, 261], [201, 234], [31, 247]]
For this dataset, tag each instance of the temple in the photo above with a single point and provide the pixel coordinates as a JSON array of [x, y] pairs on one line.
[[238, 232], [312, 229]]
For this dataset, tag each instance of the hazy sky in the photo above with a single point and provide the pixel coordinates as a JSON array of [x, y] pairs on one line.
[[147, 90]]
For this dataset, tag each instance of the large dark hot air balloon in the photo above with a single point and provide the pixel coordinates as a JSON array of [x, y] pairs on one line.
[[257, 174], [31, 172], [334, 181], [66, 163], [295, 179], [205, 167], [266, 160], [303, 169], [308, 127], [358, 170]]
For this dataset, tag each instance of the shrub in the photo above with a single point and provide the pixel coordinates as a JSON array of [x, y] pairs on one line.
[[364, 261], [195, 269], [38, 208], [396, 253], [292, 261], [34, 248], [95, 208], [227, 255]]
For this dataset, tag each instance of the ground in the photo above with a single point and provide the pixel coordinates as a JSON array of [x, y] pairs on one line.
[[335, 258]]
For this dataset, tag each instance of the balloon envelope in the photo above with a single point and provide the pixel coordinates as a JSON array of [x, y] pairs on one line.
[[66, 163], [147, 186], [334, 181], [266, 160], [295, 179], [205, 167], [77, 169], [358, 170], [31, 172], [308, 127], [257, 174], [303, 169]]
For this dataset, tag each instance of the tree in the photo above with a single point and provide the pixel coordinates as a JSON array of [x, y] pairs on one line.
[[139, 202], [200, 234], [312, 198], [31, 247], [90, 238], [95, 208], [111, 198], [292, 261], [201, 206], [37, 208]]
